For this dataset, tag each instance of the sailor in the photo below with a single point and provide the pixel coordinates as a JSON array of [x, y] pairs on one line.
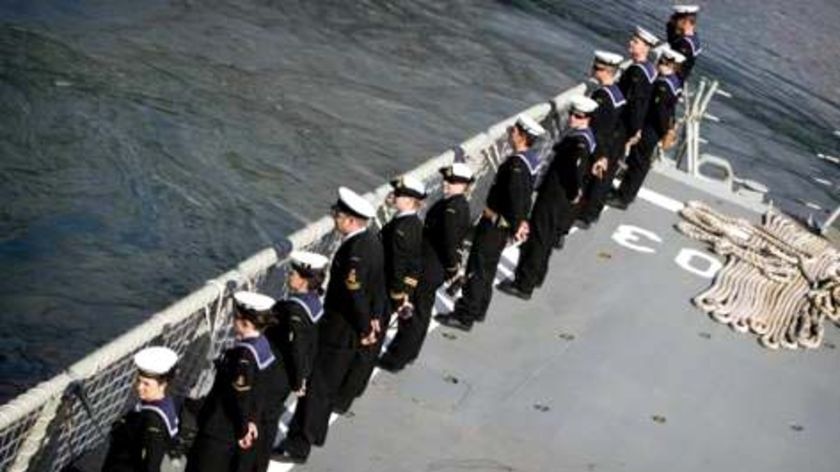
[[560, 189], [636, 83], [658, 128], [294, 334], [505, 217], [246, 395], [353, 307], [682, 37], [447, 223], [609, 132], [402, 240], [140, 439]]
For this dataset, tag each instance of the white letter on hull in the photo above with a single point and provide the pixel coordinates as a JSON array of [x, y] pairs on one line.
[[627, 235], [686, 256]]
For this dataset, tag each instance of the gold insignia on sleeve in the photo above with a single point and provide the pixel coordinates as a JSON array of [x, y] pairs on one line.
[[352, 282], [410, 281], [450, 210]]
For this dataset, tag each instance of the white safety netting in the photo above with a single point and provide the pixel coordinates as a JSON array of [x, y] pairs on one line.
[[52, 424]]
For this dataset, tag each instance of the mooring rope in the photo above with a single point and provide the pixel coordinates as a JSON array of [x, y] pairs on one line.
[[779, 281]]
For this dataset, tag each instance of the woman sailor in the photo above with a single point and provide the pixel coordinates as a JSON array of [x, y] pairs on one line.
[[140, 439], [250, 382], [294, 336]]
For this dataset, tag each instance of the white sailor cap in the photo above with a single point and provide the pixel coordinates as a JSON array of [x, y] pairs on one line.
[[671, 55], [253, 301], [352, 203], [610, 59], [646, 36], [457, 172], [686, 9], [306, 262], [155, 361], [583, 104], [409, 186], [529, 126]]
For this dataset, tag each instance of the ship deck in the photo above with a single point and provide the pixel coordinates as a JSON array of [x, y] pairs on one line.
[[608, 367]]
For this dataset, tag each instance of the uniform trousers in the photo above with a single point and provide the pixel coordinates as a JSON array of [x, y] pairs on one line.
[[552, 214], [488, 243], [405, 347], [310, 422], [596, 193], [638, 166]]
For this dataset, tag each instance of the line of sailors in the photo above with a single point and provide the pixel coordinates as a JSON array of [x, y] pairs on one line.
[[325, 353]]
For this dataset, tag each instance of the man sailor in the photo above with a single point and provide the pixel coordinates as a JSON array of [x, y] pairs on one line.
[[559, 191], [658, 127], [353, 307], [682, 37], [636, 83], [446, 225], [245, 400], [140, 439], [609, 132], [402, 239], [504, 217]]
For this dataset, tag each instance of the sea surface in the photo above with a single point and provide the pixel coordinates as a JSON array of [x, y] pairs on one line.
[[147, 146]]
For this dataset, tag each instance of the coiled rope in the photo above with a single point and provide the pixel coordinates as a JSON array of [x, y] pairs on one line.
[[780, 281]]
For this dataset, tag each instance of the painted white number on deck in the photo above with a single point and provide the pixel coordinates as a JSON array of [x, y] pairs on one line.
[[687, 257], [628, 236]]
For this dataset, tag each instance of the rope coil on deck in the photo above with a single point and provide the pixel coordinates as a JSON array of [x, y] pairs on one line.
[[780, 281]]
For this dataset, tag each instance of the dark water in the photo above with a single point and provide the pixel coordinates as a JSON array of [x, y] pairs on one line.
[[145, 147]]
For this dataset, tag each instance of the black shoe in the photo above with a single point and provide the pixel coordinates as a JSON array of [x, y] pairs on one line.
[[281, 455], [342, 408], [561, 241], [452, 320], [392, 366], [509, 287], [616, 202]]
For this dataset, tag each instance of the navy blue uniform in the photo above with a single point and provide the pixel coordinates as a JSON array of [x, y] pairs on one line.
[[509, 203], [659, 119], [608, 127], [688, 46], [250, 382], [553, 211], [447, 223], [355, 295], [141, 438], [294, 337]]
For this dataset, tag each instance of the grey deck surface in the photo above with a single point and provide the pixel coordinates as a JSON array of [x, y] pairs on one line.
[[529, 397]]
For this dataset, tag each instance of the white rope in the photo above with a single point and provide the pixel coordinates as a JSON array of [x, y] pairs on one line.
[[780, 281]]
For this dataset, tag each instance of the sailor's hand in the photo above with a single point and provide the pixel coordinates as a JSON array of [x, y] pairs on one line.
[[370, 338], [634, 139], [599, 168], [245, 442], [669, 139], [522, 232], [302, 390], [406, 311]]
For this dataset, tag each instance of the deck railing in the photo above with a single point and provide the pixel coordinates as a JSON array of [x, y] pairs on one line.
[[55, 422]]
